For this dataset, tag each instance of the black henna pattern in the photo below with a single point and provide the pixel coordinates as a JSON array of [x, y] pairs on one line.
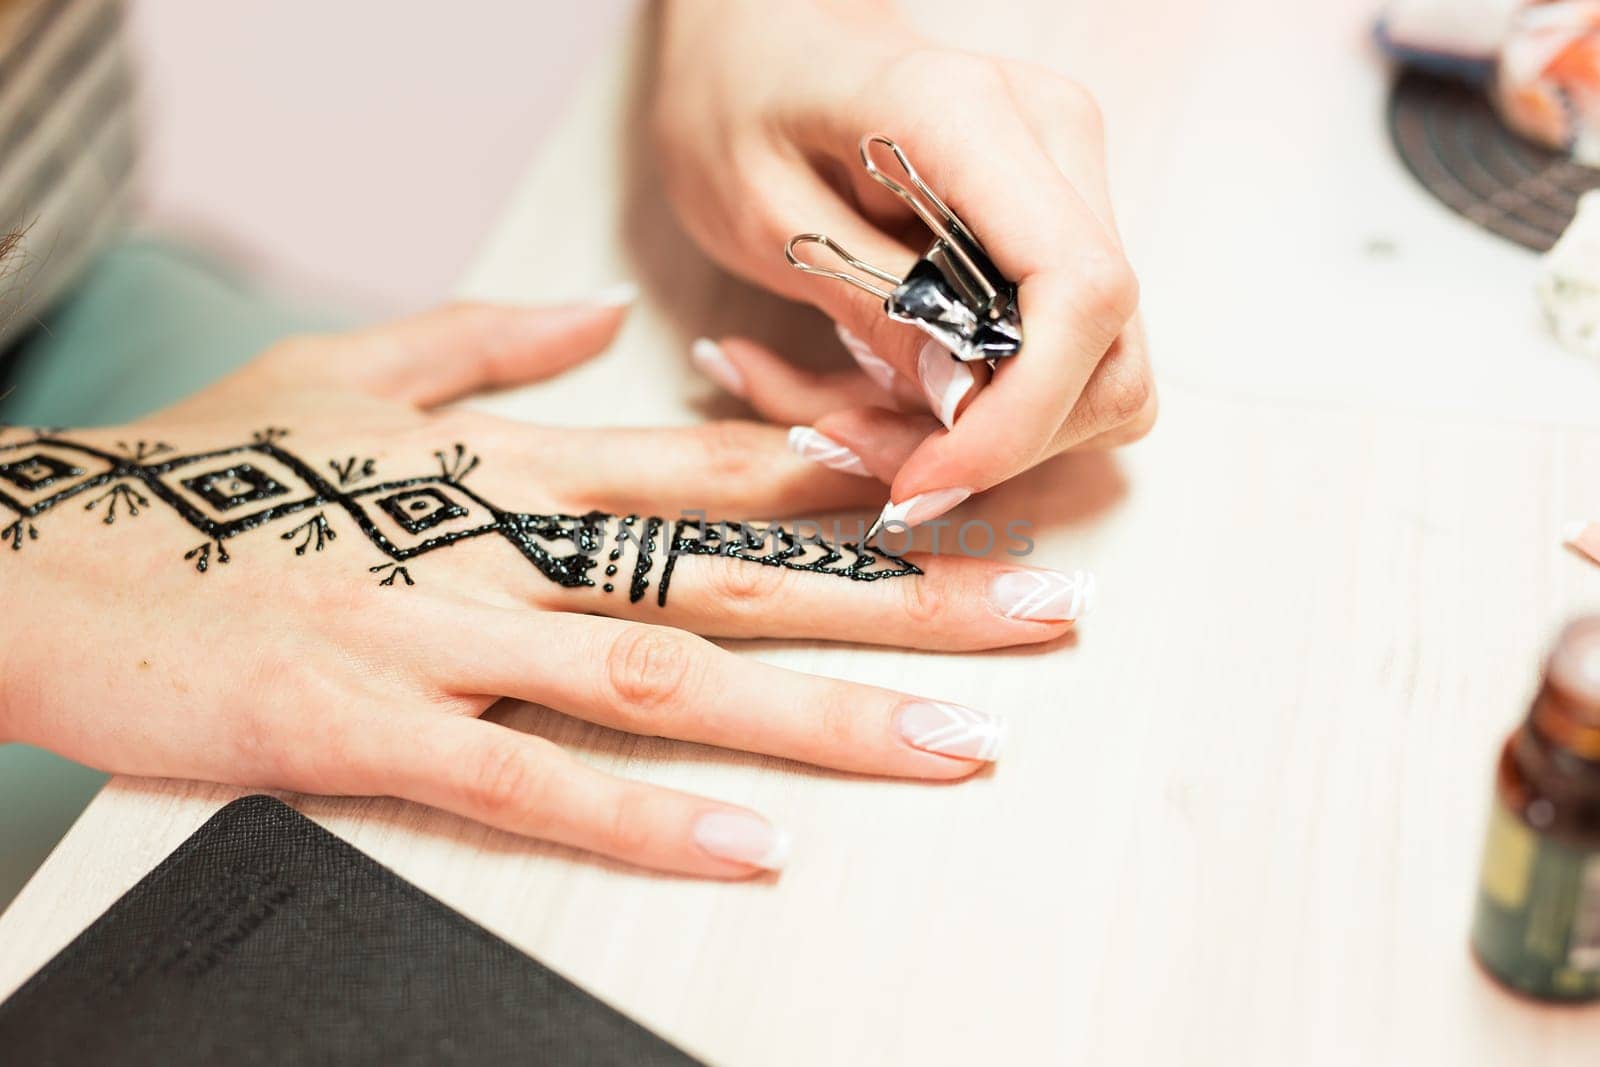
[[230, 491]]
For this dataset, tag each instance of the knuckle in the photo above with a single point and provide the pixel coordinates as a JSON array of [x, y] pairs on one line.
[[742, 585], [1121, 392], [923, 599], [449, 425], [1109, 288], [917, 68], [1144, 420], [504, 780], [627, 831], [649, 669], [730, 451], [1079, 106]]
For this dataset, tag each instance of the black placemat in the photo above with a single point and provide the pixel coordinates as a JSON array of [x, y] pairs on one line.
[[264, 939], [1453, 142]]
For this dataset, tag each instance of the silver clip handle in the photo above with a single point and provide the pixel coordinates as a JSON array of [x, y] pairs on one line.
[[934, 212], [837, 249]]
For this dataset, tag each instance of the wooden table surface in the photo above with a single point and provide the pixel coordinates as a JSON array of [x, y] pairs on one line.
[[1239, 815]]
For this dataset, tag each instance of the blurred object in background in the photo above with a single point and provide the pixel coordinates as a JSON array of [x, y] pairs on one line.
[[1457, 38], [1569, 281], [1547, 87], [1537, 922], [67, 146], [1539, 62]]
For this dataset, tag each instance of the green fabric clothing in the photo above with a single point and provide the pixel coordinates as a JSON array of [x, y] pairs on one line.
[[149, 324]]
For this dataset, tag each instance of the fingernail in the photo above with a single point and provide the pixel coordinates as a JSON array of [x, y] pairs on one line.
[[880, 372], [739, 837], [952, 730], [809, 444], [1044, 596], [945, 380], [922, 507], [619, 295], [1583, 536], [714, 364]]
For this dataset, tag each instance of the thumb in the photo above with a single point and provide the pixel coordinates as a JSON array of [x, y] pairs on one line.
[[459, 349]]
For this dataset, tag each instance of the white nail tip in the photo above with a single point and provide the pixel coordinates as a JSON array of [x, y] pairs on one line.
[[953, 730], [810, 444], [945, 380], [893, 512], [1573, 530], [619, 295], [777, 857], [740, 837], [714, 364], [1045, 595]]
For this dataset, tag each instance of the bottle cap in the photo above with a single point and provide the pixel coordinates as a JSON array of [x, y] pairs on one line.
[[1574, 669]]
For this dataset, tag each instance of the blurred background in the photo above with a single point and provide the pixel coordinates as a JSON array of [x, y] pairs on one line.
[[355, 151]]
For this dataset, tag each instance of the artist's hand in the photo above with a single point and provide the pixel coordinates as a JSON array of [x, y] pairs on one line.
[[759, 109], [307, 577]]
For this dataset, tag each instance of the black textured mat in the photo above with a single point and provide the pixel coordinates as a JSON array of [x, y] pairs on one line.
[[264, 939], [1454, 144]]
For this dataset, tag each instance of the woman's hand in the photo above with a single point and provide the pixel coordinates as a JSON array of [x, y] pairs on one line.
[[310, 578], [759, 110]]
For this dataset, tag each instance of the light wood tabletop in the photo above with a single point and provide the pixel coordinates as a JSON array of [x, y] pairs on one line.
[[1239, 813]]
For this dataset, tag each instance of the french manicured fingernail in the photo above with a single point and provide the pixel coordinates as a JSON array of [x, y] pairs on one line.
[[880, 372], [818, 448], [619, 295], [742, 838], [945, 380], [922, 507], [1044, 596], [714, 364], [952, 730]]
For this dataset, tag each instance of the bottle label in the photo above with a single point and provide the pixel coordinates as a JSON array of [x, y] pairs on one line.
[[1538, 918]]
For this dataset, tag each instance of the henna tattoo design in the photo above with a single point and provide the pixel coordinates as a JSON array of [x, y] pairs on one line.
[[349, 474], [226, 492]]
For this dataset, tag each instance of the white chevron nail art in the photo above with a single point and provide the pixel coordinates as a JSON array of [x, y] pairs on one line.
[[809, 444], [879, 371], [1042, 595], [952, 730]]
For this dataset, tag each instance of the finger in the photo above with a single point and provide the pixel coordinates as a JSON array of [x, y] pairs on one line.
[[1059, 112], [780, 391], [1118, 406], [1066, 121], [512, 781], [729, 467], [658, 681], [1075, 297], [1074, 288], [881, 440], [906, 392], [869, 334], [951, 602], [463, 348], [808, 578]]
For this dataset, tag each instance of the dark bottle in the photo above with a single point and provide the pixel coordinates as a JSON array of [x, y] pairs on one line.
[[1537, 927]]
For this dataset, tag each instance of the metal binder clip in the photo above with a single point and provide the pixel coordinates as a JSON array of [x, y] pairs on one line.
[[954, 293]]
